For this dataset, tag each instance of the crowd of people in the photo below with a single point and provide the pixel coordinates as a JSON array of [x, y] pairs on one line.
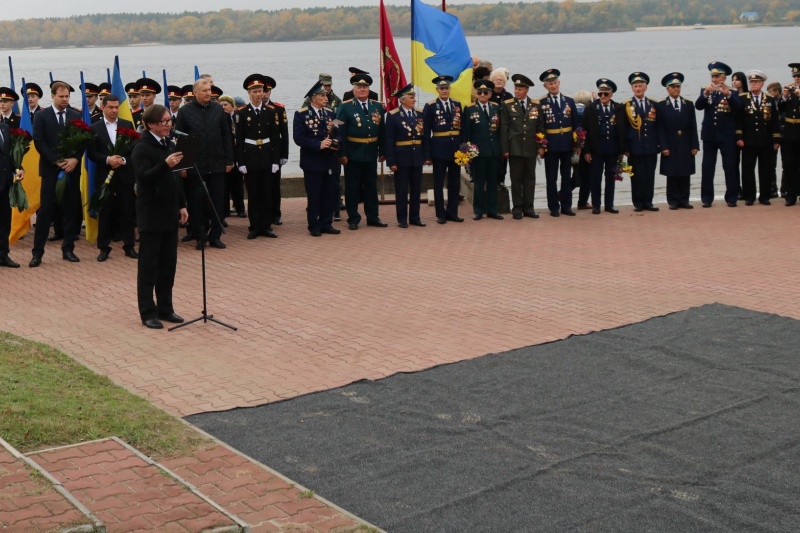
[[587, 141]]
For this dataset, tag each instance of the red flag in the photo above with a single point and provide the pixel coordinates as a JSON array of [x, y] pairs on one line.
[[391, 70]]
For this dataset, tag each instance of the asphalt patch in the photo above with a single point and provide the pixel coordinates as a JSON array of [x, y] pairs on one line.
[[687, 422]]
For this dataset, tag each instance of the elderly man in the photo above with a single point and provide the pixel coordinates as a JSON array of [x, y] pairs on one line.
[[207, 119], [790, 105], [602, 149], [678, 142], [480, 127], [560, 121], [639, 141]]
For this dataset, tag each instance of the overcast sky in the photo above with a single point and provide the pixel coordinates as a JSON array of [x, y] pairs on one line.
[[60, 8]]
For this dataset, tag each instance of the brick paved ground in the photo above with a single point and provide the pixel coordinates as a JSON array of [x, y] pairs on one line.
[[315, 313]]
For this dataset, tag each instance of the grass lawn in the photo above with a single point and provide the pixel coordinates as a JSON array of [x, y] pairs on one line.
[[47, 399]]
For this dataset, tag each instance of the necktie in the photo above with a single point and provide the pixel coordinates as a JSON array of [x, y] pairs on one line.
[[641, 106], [257, 110], [676, 105], [60, 118], [164, 142], [485, 110], [522, 105], [605, 108], [447, 108], [365, 107]]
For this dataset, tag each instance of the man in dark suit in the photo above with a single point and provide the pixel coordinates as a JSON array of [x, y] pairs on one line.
[[7, 115], [312, 130], [442, 136], [7, 172], [480, 127], [639, 141], [678, 142], [602, 149], [560, 122], [258, 154], [46, 126], [790, 105], [121, 206]]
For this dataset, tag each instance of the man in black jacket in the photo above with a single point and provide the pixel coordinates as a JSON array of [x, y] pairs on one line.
[[215, 159], [6, 181], [160, 207]]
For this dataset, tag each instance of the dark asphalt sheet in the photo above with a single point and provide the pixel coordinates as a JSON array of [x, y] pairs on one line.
[[687, 422]]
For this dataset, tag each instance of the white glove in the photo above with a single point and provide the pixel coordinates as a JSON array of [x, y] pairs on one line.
[[275, 168], [284, 161], [243, 169]]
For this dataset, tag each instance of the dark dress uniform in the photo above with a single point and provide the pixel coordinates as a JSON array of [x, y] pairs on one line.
[[321, 168], [404, 132], [790, 151], [12, 121], [441, 139], [480, 127], [677, 132], [560, 121], [282, 122], [6, 181], [602, 143], [759, 129], [636, 122]]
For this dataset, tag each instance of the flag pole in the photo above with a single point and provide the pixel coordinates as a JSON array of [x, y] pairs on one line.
[[381, 14]]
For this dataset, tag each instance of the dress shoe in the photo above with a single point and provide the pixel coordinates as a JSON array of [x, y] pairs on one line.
[[765, 202], [706, 204], [35, 262], [188, 237], [418, 223], [790, 203], [651, 208], [170, 317], [378, 223], [584, 207], [278, 222], [7, 262], [749, 202], [224, 223], [216, 243], [687, 206], [241, 214], [331, 231], [441, 220], [70, 256], [316, 232], [612, 210], [352, 226], [402, 224], [731, 204], [56, 237], [133, 254], [595, 210], [568, 212], [252, 235], [517, 216], [673, 207], [530, 215], [555, 214], [455, 219], [268, 233], [477, 217], [495, 216], [153, 323], [103, 255]]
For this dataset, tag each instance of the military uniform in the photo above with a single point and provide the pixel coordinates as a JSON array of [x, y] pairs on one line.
[[355, 71], [718, 133], [136, 110], [93, 90], [282, 122], [560, 122], [404, 153], [333, 101], [31, 89], [480, 126], [441, 139], [520, 122], [677, 133], [636, 120], [361, 141], [602, 144], [790, 106], [8, 96]]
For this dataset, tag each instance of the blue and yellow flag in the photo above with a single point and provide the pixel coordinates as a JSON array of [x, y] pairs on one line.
[[88, 184], [118, 90], [21, 222], [439, 48]]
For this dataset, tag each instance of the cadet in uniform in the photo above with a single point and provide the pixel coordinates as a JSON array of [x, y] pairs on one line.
[[790, 106], [282, 121], [147, 89], [677, 139], [405, 155], [602, 149], [92, 91], [560, 121], [7, 115], [187, 92], [258, 152], [441, 139], [314, 132], [33, 96], [758, 135], [480, 127], [719, 106], [135, 101], [520, 120], [175, 98], [361, 142], [639, 141]]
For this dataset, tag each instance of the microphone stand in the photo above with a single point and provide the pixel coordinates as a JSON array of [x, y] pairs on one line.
[[204, 316]]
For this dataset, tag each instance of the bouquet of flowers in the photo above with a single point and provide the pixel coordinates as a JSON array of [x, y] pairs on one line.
[[73, 140], [622, 168], [122, 147], [579, 138], [542, 141], [20, 144], [465, 153]]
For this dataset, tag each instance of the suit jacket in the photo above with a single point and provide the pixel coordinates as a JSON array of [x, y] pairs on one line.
[[482, 131], [101, 149], [361, 133], [159, 192], [638, 134], [442, 133], [252, 126], [677, 132], [45, 138], [6, 168], [309, 129], [758, 125], [719, 116], [559, 123], [602, 137], [519, 128]]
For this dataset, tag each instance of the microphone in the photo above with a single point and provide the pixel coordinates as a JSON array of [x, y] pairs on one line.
[[178, 133]]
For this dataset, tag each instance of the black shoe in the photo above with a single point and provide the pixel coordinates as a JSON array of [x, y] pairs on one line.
[[170, 317], [418, 223], [103, 255], [252, 234], [278, 221], [555, 214], [188, 237], [687, 206], [331, 231], [530, 215], [673, 207], [706, 204], [477, 217], [749, 202], [495, 216], [651, 208], [731, 204], [402, 224], [153, 323], [441, 220], [70, 256], [7, 262], [378, 223], [268, 233], [612, 210], [352, 226], [774, 194], [316, 232], [56, 237], [765, 202], [241, 214], [595, 210], [517, 216], [568, 212], [224, 223], [133, 254], [455, 219], [35, 262], [216, 243], [790, 203]]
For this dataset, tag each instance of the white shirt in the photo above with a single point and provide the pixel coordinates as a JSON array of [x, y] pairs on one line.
[[111, 128]]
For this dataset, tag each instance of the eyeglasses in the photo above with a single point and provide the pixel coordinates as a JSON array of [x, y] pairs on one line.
[[604, 93], [484, 91], [165, 122]]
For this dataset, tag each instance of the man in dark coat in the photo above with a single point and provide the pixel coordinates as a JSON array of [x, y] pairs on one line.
[[602, 149], [480, 126], [7, 172], [160, 207], [560, 122], [636, 123], [790, 106], [677, 138]]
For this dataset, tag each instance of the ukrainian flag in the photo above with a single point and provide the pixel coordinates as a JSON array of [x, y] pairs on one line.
[[21, 222], [439, 48], [118, 90], [88, 184]]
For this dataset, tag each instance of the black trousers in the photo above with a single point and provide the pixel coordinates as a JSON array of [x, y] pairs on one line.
[[158, 259], [275, 194], [484, 194], [322, 193], [728, 152], [200, 213], [678, 190], [407, 190], [790, 152], [361, 181], [643, 181], [5, 221], [259, 199], [120, 209], [523, 183], [71, 208], [602, 165], [234, 191], [445, 170], [558, 199], [764, 157]]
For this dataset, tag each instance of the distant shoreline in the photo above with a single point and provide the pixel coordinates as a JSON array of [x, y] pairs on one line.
[[712, 27]]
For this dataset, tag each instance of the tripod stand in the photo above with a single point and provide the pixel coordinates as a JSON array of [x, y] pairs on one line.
[[205, 317]]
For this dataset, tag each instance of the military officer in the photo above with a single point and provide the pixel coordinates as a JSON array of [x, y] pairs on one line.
[[639, 141], [719, 105], [92, 92], [790, 106], [480, 125], [175, 96], [677, 140], [135, 101], [405, 155], [34, 93], [258, 153], [560, 121], [361, 142], [187, 92], [520, 121], [441, 138], [147, 89], [758, 135], [315, 133], [602, 149], [7, 115], [327, 81], [355, 71], [282, 120]]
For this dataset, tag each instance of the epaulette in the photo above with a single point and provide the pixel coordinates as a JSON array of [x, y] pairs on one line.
[[302, 109], [394, 111], [432, 102], [494, 104], [628, 101], [269, 105], [662, 100], [744, 94], [279, 104], [329, 108], [509, 101]]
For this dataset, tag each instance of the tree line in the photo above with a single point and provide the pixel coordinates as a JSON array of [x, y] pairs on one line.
[[228, 25]]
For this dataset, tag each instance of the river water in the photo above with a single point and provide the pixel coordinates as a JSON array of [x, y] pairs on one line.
[[581, 58]]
